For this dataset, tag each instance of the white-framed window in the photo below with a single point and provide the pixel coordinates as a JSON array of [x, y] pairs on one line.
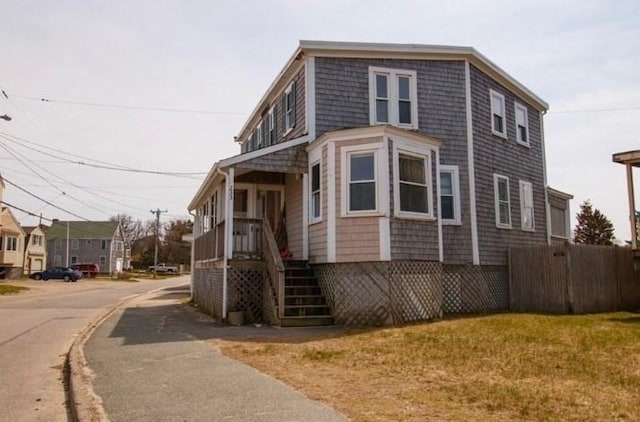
[[502, 201], [103, 260], [36, 240], [75, 244], [450, 194], [258, 135], [316, 195], [522, 125], [413, 184], [393, 97], [289, 107], [103, 244], [271, 127], [57, 245], [361, 182], [57, 260], [526, 206], [10, 243], [498, 115], [74, 259]]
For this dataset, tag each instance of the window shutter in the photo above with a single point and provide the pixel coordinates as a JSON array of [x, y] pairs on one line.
[[275, 125], [293, 104], [284, 111], [265, 130]]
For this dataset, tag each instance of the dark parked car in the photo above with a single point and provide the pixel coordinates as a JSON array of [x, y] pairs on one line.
[[58, 273], [87, 270]]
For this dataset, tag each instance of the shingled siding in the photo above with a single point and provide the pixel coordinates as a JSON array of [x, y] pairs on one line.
[[293, 205], [506, 157], [342, 101], [299, 128], [289, 160]]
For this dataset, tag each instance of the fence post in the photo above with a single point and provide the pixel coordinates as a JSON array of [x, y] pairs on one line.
[[569, 278]]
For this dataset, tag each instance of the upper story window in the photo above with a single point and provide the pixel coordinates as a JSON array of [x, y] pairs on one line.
[[502, 201], [10, 243], [315, 192], [361, 172], [75, 244], [57, 245], [522, 125], [393, 97], [214, 210], [498, 115], [289, 107], [449, 194], [258, 136], [271, 127], [103, 244], [526, 205], [36, 240]]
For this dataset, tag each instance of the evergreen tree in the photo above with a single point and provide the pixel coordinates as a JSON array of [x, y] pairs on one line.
[[593, 228]]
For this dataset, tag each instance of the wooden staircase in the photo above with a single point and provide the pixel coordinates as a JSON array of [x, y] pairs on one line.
[[304, 303]]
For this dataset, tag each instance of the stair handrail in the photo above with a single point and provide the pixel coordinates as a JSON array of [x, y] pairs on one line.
[[275, 267]]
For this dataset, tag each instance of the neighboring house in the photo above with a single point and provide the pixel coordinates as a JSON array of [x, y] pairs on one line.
[[11, 241], [400, 173], [35, 251], [97, 242], [560, 215]]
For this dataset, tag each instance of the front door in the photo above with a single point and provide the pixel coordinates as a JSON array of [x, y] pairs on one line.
[[269, 207]]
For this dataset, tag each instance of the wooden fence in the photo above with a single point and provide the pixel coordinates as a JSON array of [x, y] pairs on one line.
[[567, 278]]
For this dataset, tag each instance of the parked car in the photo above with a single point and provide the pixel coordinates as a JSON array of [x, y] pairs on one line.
[[58, 273], [87, 270], [163, 268]]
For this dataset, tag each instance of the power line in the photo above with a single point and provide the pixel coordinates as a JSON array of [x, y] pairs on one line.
[[130, 107], [44, 200], [103, 165], [25, 211]]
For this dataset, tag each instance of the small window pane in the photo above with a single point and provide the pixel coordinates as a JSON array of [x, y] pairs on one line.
[[497, 123], [362, 196], [413, 198], [504, 213], [362, 167], [381, 86], [404, 110], [446, 203], [446, 183], [315, 177], [522, 133], [382, 111], [403, 88], [316, 204], [502, 190], [412, 169]]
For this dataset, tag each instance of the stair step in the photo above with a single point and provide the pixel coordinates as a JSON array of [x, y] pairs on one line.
[[300, 300], [296, 321], [306, 310], [302, 290]]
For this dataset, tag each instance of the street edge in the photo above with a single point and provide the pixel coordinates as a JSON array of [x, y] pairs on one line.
[[83, 404]]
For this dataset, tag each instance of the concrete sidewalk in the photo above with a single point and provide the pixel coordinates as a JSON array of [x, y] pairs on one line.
[[154, 360]]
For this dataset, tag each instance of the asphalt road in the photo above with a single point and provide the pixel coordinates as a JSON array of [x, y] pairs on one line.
[[37, 329]]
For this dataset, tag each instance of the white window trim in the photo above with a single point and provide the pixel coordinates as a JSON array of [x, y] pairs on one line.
[[413, 151], [455, 180], [520, 107], [499, 96], [287, 128], [522, 207], [392, 85], [313, 219], [496, 194], [345, 153]]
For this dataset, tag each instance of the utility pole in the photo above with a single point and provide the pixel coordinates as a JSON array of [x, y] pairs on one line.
[[157, 213]]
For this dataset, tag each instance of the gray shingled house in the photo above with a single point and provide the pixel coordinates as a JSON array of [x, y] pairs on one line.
[[96, 242], [376, 184]]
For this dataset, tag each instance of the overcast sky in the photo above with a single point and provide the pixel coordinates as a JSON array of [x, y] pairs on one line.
[[582, 57]]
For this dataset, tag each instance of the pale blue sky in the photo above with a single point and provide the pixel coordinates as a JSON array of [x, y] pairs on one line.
[[221, 56]]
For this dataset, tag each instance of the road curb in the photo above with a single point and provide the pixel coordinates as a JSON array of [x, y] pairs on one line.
[[83, 404]]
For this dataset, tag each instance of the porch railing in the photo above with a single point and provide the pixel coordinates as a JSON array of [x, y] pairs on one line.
[[247, 237], [275, 267]]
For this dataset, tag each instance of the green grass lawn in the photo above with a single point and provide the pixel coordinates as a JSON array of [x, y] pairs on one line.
[[499, 367], [7, 289]]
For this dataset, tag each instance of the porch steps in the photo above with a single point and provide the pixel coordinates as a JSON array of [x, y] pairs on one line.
[[304, 303]]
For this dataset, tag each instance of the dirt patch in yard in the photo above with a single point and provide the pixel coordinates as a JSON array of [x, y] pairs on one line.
[[501, 367]]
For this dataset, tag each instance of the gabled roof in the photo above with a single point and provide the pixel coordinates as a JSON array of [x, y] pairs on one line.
[[83, 230]]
